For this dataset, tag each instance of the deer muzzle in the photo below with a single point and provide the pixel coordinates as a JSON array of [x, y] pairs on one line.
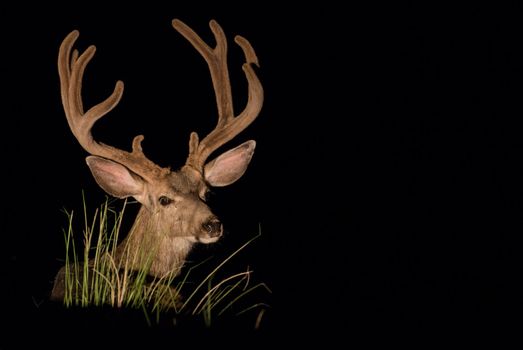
[[212, 230], [213, 227]]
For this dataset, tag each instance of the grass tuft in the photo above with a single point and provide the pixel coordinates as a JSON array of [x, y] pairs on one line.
[[94, 277]]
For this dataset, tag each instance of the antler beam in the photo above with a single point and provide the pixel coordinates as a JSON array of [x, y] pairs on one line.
[[228, 126], [71, 67]]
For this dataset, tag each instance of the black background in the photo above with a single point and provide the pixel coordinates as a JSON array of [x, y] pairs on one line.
[[387, 175]]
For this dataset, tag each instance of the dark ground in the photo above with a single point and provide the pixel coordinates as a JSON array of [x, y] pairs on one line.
[[386, 181]]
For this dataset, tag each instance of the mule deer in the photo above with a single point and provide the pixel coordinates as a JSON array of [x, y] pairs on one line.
[[173, 215]]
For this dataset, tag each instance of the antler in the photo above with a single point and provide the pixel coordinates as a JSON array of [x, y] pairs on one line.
[[71, 67], [228, 125]]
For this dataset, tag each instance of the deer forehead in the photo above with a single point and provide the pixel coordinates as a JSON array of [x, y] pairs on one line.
[[182, 183]]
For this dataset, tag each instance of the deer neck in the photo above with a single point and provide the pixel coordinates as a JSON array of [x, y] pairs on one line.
[[147, 246]]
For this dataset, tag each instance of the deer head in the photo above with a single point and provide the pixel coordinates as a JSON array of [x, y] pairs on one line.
[[173, 214]]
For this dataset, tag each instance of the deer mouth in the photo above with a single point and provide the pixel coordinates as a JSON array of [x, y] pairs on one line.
[[207, 240]]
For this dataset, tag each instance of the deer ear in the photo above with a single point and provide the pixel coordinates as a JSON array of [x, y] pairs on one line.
[[229, 166], [115, 179]]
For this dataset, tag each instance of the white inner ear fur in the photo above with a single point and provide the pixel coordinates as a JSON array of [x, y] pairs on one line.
[[116, 179], [229, 166]]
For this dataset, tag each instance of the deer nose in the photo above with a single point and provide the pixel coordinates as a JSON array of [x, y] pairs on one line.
[[213, 227]]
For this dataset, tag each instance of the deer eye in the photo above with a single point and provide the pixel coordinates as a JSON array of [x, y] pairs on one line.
[[165, 200]]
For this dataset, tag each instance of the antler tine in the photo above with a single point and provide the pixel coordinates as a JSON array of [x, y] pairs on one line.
[[228, 126], [71, 67]]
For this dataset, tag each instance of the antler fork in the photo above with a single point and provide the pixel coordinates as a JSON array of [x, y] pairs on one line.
[[228, 126], [71, 67]]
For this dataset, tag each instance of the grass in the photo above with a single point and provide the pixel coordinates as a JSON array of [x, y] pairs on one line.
[[95, 278]]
